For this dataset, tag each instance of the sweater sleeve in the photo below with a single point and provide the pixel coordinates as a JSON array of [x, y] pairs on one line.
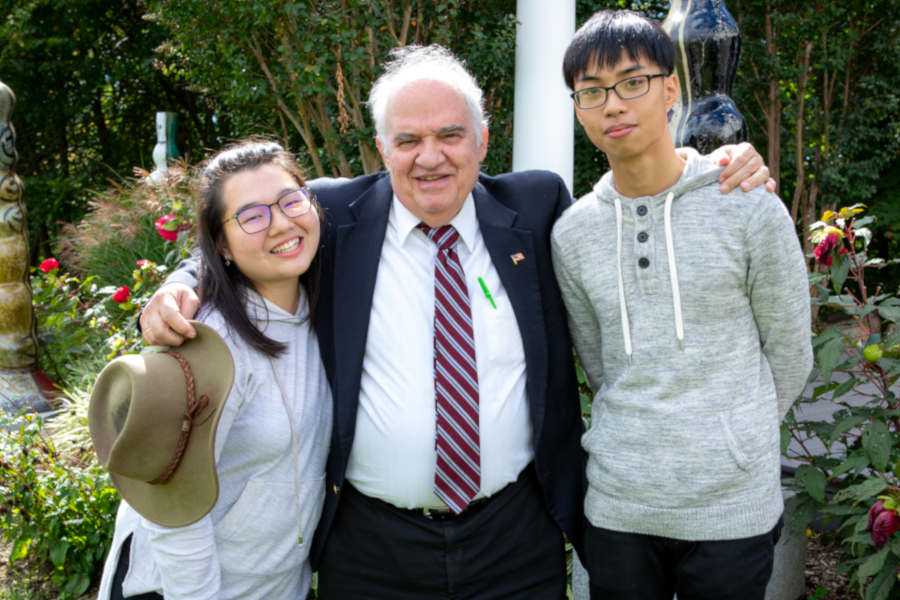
[[186, 273], [187, 560], [583, 324], [778, 287], [187, 556]]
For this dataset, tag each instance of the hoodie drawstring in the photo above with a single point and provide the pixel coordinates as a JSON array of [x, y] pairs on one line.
[[673, 274], [626, 329], [673, 277]]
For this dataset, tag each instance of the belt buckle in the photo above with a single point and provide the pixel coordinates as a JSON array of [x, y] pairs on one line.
[[437, 513]]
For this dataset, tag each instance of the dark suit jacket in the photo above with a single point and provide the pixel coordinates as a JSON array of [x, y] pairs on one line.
[[516, 213]]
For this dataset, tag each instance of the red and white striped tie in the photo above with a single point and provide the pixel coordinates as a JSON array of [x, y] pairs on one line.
[[457, 477]]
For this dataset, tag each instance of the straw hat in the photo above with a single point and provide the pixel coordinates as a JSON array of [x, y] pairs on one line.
[[141, 415]]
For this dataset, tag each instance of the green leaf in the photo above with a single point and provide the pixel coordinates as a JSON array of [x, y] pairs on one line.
[[844, 388], [785, 437], [828, 334], [58, 552], [889, 313], [839, 271], [815, 278], [873, 564], [846, 425], [877, 442], [579, 373], [815, 485], [829, 355], [882, 584], [862, 491], [20, 549], [585, 404]]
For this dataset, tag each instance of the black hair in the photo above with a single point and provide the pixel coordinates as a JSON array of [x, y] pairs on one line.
[[602, 39], [225, 287]]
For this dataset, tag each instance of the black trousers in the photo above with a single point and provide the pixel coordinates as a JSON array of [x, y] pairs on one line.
[[629, 566], [122, 571], [510, 548]]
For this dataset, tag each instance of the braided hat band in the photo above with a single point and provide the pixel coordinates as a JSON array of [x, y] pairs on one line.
[[194, 407]]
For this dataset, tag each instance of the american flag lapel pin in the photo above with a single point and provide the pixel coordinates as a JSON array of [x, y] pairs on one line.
[[517, 257]]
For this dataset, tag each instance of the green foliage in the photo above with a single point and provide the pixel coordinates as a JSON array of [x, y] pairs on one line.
[[87, 87], [57, 507], [862, 455]]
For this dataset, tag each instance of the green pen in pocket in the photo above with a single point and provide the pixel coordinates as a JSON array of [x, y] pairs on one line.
[[487, 293]]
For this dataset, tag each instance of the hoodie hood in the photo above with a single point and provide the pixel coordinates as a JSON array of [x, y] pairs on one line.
[[264, 312], [698, 172]]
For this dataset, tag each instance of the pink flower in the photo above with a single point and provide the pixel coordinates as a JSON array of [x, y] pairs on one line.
[[49, 265], [122, 294], [828, 245], [876, 509], [885, 525], [142, 263]]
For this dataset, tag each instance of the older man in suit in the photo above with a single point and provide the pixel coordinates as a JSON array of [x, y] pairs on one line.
[[455, 462]]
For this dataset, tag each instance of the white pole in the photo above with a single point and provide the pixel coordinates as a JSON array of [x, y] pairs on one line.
[[544, 126]]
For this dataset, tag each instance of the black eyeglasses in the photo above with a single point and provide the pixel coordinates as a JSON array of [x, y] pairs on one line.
[[627, 89], [293, 204]]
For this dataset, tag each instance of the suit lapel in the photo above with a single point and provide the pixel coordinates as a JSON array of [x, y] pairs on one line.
[[358, 250], [520, 278]]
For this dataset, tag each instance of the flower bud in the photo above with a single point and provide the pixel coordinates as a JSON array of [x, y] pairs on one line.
[[873, 353], [885, 525]]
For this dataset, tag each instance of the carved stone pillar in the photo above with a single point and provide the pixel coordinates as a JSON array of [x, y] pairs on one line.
[[708, 49], [18, 340]]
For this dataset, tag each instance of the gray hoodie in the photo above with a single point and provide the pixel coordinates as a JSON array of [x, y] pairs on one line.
[[690, 314], [247, 547]]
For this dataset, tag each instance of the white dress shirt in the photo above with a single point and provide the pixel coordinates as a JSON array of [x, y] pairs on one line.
[[393, 456]]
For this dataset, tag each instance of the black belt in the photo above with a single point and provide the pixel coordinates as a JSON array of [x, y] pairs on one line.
[[445, 514]]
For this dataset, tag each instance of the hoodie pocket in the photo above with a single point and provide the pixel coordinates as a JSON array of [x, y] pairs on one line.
[[689, 459], [259, 535]]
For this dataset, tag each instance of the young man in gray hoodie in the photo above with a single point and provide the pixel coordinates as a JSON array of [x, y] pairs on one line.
[[690, 313]]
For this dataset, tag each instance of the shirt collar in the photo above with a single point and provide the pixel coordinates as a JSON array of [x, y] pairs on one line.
[[465, 222]]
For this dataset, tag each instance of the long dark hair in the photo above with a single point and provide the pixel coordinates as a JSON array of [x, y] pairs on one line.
[[225, 287]]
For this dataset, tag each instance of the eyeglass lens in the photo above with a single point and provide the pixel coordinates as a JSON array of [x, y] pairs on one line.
[[626, 89], [257, 218]]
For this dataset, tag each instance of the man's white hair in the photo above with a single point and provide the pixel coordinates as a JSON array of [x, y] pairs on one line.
[[417, 63]]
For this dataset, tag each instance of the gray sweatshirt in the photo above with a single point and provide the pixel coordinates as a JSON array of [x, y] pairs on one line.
[[247, 547], [696, 344]]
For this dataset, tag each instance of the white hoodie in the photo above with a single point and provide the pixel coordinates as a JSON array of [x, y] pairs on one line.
[[248, 546]]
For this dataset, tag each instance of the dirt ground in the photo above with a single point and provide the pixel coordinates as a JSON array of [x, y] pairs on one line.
[[821, 565]]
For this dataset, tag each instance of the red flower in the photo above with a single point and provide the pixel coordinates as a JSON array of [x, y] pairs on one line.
[[168, 227], [49, 265], [122, 294], [886, 524], [828, 245], [141, 263]]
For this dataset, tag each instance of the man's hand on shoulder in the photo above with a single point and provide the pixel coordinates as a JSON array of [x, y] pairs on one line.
[[164, 319], [743, 166]]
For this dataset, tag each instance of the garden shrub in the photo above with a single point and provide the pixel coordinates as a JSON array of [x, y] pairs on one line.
[[859, 473], [58, 505]]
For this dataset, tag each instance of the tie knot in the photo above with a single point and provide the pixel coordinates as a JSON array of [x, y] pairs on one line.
[[445, 236]]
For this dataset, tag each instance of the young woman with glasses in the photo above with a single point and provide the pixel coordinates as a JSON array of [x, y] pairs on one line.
[[259, 232]]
